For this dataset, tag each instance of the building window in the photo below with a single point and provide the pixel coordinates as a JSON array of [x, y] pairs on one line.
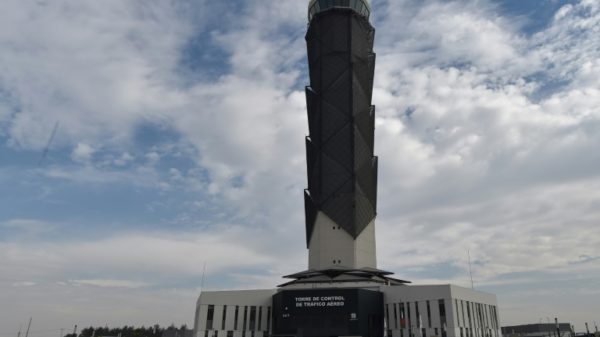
[[402, 316], [259, 319], [205, 333], [442, 308], [428, 314], [457, 314], [209, 317], [216, 333], [480, 317], [423, 332], [245, 324], [235, 317], [491, 313], [268, 319], [419, 319], [395, 316], [462, 308], [323, 5], [470, 322], [436, 331], [473, 319], [476, 323], [461, 332], [495, 313], [224, 317], [252, 318], [486, 317], [409, 319], [229, 333], [386, 321]]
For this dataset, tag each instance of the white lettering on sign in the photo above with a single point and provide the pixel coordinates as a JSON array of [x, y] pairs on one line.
[[319, 301]]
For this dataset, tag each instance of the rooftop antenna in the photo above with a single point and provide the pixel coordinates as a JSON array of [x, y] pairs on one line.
[[202, 281], [470, 272], [28, 326]]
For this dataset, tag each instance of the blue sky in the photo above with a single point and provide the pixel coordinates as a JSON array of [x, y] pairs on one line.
[[180, 143]]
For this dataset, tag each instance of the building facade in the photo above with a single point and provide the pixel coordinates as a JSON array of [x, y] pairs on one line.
[[407, 311], [246, 313], [539, 330]]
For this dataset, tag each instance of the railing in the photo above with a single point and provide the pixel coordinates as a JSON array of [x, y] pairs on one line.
[[318, 6]]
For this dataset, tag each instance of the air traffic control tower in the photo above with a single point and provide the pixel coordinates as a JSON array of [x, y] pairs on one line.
[[341, 197], [343, 293]]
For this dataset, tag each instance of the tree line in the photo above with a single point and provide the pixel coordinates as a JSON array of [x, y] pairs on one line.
[[126, 331]]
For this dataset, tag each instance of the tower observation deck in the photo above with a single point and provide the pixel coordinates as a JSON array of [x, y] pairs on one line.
[[361, 7]]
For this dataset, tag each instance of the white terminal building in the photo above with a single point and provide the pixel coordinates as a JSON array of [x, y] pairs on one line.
[[444, 310], [343, 293]]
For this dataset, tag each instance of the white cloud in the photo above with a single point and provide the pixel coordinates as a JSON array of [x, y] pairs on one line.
[[133, 278], [29, 226], [498, 158], [109, 283], [4, 113], [487, 138], [139, 176], [82, 153], [94, 67], [24, 284], [153, 157], [162, 255], [55, 306], [124, 159]]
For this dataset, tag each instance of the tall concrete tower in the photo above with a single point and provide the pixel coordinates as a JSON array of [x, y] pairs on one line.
[[342, 293], [341, 198]]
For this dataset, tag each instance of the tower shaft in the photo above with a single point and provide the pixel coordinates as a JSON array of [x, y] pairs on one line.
[[341, 198]]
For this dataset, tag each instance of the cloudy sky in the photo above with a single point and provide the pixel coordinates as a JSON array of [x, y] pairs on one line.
[[143, 140]]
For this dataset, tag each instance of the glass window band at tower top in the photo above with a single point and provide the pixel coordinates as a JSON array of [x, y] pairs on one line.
[[359, 6]]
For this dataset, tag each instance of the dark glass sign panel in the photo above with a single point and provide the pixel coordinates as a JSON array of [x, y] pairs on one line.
[[328, 312]]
